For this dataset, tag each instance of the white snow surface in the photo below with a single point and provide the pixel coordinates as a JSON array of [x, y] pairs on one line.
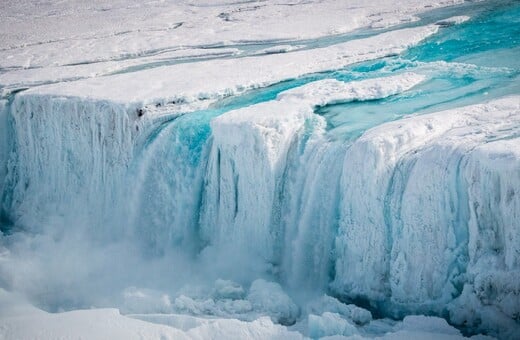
[[34, 35], [220, 78]]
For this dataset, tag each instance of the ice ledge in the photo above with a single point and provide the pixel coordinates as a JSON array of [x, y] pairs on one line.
[[330, 91], [205, 81]]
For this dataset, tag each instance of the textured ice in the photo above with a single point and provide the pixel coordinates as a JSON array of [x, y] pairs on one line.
[[423, 180], [329, 324], [329, 304], [145, 301], [226, 214], [257, 144], [269, 297], [225, 289], [4, 142], [93, 141], [330, 91]]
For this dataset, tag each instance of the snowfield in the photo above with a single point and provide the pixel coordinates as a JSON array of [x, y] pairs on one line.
[[259, 169]]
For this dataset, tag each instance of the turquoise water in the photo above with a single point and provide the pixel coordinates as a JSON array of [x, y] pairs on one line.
[[464, 64]]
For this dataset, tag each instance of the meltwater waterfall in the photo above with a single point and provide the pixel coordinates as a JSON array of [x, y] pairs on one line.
[[393, 184]]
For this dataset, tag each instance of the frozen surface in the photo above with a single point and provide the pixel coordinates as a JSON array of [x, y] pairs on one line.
[[219, 78], [246, 182], [33, 35]]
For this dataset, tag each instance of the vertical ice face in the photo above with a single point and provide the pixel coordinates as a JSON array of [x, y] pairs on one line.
[[493, 177], [272, 184], [246, 175], [71, 157], [417, 217], [310, 214], [167, 184], [4, 148]]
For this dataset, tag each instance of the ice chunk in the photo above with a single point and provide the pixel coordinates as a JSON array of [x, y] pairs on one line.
[[350, 312], [279, 49], [330, 91], [456, 20], [186, 304], [428, 324], [269, 297], [431, 225], [238, 308], [329, 324]]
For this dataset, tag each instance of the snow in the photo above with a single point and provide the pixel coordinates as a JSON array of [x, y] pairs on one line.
[[221, 78], [20, 320], [233, 220], [330, 91], [20, 78], [33, 35]]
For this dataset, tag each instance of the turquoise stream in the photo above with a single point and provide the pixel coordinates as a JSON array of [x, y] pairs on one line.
[[464, 64]]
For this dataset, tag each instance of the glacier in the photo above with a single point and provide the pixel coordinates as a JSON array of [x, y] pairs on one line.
[[364, 186]]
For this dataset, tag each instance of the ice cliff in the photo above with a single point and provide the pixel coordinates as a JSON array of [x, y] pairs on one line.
[[419, 215]]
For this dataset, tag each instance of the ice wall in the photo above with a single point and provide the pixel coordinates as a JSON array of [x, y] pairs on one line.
[[69, 161], [4, 148], [431, 208], [274, 157], [417, 215], [402, 218]]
